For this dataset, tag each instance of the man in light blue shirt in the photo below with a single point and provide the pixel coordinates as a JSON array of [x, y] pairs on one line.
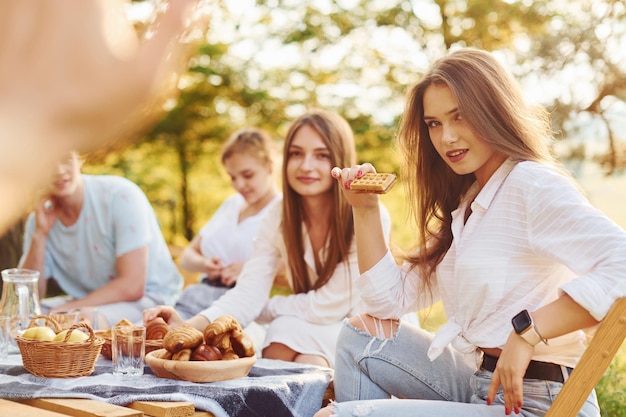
[[99, 238]]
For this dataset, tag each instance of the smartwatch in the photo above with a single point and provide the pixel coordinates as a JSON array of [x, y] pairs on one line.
[[524, 326]]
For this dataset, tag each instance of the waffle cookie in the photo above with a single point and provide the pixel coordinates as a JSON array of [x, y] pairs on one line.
[[377, 183]]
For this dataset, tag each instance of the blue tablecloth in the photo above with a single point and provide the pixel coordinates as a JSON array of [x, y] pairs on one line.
[[273, 388]]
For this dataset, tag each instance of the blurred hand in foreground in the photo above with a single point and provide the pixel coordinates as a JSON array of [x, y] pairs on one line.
[[74, 74]]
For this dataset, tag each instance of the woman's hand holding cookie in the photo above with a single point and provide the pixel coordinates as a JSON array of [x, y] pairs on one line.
[[346, 176]]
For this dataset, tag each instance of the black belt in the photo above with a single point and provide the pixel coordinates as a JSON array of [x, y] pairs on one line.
[[536, 370]]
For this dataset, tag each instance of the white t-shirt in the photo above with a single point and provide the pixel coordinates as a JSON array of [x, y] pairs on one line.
[[116, 218], [226, 238]]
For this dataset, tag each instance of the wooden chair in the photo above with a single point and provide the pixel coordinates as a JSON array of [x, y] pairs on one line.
[[593, 364]]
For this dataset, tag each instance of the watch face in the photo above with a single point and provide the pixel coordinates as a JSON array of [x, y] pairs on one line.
[[521, 321]]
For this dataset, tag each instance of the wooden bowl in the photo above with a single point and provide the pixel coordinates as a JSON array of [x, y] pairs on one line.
[[198, 371]]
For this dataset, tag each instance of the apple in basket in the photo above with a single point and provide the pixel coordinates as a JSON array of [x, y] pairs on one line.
[[75, 336], [39, 333]]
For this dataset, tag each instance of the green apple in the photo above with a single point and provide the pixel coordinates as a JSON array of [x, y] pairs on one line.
[[39, 333], [76, 336]]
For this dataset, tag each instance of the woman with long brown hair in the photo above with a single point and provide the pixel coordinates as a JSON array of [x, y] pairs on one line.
[[311, 232], [520, 260]]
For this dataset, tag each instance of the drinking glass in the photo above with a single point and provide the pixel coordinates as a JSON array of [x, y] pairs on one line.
[[128, 347], [66, 319]]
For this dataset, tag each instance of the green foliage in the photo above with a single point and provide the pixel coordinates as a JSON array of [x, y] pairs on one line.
[[354, 57], [467, 22]]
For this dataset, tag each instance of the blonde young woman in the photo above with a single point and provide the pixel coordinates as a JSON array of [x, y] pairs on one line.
[[311, 232], [219, 251], [519, 258]]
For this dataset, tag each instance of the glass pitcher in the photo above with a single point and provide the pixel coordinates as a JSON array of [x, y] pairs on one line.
[[20, 297]]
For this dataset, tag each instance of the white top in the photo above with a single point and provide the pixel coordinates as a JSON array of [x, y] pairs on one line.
[[225, 237], [531, 234], [308, 323], [116, 218]]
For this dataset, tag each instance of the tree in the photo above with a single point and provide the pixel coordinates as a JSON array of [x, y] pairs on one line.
[[264, 65]]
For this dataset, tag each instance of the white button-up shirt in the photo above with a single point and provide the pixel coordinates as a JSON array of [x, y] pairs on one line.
[[531, 234]]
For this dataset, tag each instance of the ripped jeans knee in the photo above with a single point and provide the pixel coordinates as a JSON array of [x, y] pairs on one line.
[[380, 328], [362, 349], [371, 366]]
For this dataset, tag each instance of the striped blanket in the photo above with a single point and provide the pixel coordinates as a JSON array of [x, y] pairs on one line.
[[273, 388]]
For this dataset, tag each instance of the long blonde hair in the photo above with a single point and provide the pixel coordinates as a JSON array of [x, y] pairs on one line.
[[492, 104], [338, 137]]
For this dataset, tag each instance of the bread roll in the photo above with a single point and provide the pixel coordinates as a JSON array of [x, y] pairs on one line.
[[182, 355], [222, 342], [242, 344], [124, 322], [166, 354], [205, 352], [222, 324], [156, 329], [230, 355], [182, 337]]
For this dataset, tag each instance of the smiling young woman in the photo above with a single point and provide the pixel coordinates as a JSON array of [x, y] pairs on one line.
[[311, 233], [519, 258]]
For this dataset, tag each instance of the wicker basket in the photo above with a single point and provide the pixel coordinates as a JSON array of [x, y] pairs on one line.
[[60, 359]]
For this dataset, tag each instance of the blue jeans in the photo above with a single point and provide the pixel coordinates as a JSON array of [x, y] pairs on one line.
[[372, 370]]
